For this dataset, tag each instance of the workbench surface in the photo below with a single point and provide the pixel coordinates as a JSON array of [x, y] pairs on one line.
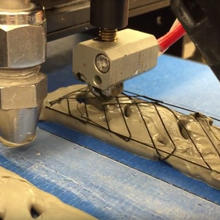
[[111, 183]]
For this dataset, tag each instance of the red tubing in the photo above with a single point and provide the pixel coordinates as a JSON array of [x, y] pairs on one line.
[[171, 37]]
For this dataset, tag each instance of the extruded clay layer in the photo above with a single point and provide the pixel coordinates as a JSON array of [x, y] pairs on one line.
[[190, 143], [20, 200]]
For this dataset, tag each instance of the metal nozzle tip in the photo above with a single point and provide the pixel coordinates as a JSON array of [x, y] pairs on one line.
[[7, 143], [18, 127]]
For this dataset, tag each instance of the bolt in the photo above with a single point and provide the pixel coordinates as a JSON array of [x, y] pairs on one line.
[[102, 63]]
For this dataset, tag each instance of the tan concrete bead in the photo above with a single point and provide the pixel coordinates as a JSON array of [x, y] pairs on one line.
[[188, 148], [18, 197]]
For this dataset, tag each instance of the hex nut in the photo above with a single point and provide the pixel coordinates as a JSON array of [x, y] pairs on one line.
[[23, 94], [22, 46]]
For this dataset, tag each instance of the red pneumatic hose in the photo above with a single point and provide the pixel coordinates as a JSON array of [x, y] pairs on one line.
[[175, 33]]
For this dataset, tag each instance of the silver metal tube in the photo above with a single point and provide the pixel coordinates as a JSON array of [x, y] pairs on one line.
[[15, 4], [22, 94], [22, 86], [18, 126]]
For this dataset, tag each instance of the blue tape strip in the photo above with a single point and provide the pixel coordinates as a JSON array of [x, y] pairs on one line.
[[157, 169]]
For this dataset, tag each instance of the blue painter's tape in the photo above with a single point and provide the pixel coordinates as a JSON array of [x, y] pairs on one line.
[[156, 169], [50, 187]]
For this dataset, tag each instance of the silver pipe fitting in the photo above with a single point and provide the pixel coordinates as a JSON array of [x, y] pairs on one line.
[[22, 86]]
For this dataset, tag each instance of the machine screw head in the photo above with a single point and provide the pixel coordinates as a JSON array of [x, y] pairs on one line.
[[102, 63]]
